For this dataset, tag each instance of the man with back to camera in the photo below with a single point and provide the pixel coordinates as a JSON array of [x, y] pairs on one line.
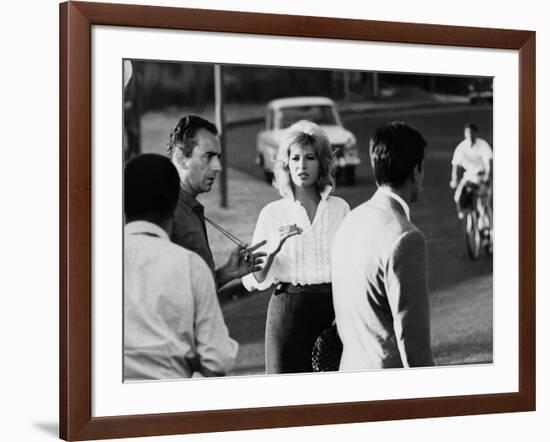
[[474, 156], [379, 264], [194, 148], [173, 325]]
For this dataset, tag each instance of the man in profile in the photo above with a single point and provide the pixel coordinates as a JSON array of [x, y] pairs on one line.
[[379, 263], [173, 325], [194, 148]]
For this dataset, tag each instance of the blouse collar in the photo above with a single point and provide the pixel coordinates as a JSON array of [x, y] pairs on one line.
[[324, 194]]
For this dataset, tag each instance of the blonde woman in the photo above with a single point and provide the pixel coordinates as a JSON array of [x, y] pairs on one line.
[[299, 229]]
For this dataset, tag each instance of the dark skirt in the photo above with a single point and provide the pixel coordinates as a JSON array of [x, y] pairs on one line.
[[294, 322]]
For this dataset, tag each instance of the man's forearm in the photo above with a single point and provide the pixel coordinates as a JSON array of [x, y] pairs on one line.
[[453, 174], [262, 274], [415, 344], [222, 276], [196, 366], [409, 300]]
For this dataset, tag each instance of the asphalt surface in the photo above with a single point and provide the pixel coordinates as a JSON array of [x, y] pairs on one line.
[[461, 290], [435, 212]]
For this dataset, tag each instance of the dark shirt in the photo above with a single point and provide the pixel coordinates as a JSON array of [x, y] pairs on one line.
[[189, 228]]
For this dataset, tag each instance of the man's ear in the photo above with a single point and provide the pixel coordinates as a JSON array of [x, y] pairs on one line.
[[417, 171], [180, 159]]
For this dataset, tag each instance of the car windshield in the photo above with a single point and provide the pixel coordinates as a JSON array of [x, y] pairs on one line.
[[321, 115]]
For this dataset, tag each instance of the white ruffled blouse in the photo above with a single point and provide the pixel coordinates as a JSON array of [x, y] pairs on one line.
[[304, 259]]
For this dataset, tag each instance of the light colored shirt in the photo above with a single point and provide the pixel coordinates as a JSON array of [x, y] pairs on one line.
[[305, 258], [396, 197], [475, 160], [171, 310], [380, 290]]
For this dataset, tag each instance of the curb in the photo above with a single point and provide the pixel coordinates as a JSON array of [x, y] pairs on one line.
[[365, 109]]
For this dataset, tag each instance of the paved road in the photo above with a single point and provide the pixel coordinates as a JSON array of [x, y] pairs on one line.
[[435, 213], [460, 289], [442, 128]]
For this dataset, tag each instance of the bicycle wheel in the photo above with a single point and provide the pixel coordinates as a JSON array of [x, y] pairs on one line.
[[489, 246], [486, 228], [489, 243], [473, 237]]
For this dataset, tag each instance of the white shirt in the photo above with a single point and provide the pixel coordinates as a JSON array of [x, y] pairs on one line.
[[304, 259], [396, 197], [474, 159], [379, 285], [171, 309]]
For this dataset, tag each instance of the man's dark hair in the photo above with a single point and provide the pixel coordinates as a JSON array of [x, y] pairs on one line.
[[151, 188], [395, 150], [471, 126], [183, 135]]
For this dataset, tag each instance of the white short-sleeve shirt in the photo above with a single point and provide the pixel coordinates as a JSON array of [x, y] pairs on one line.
[[475, 159]]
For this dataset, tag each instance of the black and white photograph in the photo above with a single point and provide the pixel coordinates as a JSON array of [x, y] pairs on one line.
[[282, 220], [243, 221]]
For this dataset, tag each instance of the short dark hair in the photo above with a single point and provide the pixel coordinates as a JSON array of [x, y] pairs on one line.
[[151, 188], [395, 150], [183, 135], [471, 126]]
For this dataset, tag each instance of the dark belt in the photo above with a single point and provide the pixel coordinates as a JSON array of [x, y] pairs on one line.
[[287, 287]]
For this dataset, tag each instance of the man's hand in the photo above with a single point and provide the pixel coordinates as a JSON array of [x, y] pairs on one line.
[[193, 361], [452, 184], [242, 261]]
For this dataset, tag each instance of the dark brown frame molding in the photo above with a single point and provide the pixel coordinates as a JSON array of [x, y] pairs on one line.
[[76, 21]]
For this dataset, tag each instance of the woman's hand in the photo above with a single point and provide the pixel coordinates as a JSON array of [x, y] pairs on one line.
[[286, 232]]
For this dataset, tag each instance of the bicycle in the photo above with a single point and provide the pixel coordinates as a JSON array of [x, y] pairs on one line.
[[477, 220]]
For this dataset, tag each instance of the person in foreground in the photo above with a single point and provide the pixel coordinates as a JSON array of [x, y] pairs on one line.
[[194, 148], [299, 229], [379, 263], [173, 325]]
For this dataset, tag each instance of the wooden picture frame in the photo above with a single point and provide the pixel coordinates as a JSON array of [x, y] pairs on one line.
[[76, 21]]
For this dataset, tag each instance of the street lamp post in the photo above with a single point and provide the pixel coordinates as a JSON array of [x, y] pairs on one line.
[[220, 123]]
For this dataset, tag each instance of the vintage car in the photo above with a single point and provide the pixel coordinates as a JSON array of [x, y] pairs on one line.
[[284, 112]]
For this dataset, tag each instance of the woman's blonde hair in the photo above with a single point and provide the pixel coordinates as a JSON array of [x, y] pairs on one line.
[[301, 134]]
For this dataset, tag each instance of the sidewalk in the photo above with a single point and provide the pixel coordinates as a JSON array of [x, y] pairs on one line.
[[246, 197], [244, 312]]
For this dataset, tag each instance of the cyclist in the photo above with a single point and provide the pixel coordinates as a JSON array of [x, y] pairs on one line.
[[474, 155]]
